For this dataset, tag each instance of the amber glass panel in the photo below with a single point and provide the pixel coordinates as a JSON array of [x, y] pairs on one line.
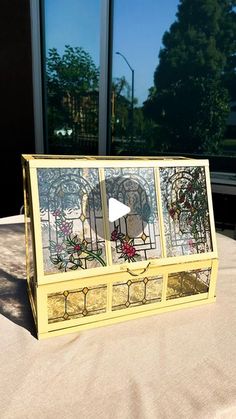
[[80, 302], [182, 284], [136, 292]]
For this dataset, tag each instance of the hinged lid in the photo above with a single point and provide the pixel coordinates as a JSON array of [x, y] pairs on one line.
[[170, 218]]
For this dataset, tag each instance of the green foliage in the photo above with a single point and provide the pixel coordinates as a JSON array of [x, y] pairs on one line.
[[120, 107], [72, 87], [190, 97], [191, 114], [73, 72]]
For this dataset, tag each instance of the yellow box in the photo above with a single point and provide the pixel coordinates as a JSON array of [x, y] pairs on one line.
[[84, 270]]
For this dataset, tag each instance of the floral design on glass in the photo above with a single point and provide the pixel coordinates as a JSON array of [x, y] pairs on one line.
[[186, 212], [193, 200], [72, 252], [125, 245]]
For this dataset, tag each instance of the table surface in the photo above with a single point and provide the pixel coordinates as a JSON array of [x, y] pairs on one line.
[[175, 365]]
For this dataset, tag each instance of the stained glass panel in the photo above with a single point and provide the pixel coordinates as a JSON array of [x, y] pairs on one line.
[[135, 236], [71, 219], [185, 210], [30, 261], [30, 266], [136, 292], [186, 283], [80, 302]]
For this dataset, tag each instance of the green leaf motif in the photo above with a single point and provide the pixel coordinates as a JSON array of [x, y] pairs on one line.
[[90, 258]]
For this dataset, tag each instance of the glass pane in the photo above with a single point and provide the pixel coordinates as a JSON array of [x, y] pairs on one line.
[[186, 283], [72, 33], [138, 30], [134, 236], [136, 292], [173, 81], [71, 219], [185, 210], [30, 265], [80, 302]]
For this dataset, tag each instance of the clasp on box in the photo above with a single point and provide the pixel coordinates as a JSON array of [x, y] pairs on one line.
[[140, 273]]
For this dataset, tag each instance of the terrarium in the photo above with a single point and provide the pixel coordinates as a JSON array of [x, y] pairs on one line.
[[84, 270]]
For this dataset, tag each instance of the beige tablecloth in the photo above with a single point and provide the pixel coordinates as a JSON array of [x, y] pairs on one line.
[[175, 365]]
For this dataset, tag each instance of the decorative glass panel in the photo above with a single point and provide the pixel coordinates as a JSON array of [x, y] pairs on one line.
[[135, 236], [186, 283], [71, 219], [30, 268], [77, 303], [136, 292], [185, 209]]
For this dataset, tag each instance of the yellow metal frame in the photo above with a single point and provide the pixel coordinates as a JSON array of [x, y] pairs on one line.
[[57, 282]]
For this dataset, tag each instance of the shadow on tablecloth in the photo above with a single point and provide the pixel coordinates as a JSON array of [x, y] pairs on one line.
[[14, 301]]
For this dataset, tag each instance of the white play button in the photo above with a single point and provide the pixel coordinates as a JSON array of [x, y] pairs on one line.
[[117, 209]]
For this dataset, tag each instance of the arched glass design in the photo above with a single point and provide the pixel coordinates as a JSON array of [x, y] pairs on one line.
[[71, 219], [135, 236], [185, 210]]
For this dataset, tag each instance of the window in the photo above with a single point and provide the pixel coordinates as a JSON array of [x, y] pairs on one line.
[[72, 31], [141, 78]]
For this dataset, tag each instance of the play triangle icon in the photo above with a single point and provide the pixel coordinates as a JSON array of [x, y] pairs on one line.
[[117, 209]]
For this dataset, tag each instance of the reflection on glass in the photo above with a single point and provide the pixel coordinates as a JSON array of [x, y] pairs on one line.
[[76, 303], [136, 292], [72, 75], [71, 219], [183, 284], [185, 210], [173, 84], [135, 236]]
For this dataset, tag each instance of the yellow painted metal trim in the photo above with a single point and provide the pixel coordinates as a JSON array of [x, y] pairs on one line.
[[105, 216], [164, 286], [112, 321], [125, 313], [122, 268], [77, 161], [96, 157], [214, 271], [120, 276], [33, 308], [211, 213], [26, 225], [36, 224], [42, 310], [160, 211]]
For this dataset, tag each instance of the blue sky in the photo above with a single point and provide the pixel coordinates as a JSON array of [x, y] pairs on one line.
[[138, 29]]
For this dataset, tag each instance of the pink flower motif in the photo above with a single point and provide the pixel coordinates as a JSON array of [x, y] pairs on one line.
[[77, 248], [65, 227], [59, 248], [57, 213], [114, 235], [128, 249]]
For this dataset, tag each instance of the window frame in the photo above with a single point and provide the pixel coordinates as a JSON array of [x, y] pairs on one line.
[[37, 8]]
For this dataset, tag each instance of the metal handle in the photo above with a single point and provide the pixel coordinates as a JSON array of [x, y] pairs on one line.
[[144, 270]]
